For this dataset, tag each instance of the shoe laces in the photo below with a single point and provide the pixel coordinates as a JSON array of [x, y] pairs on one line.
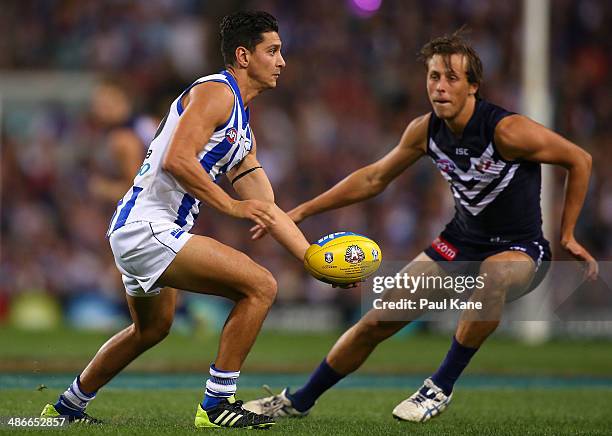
[[275, 402], [419, 398], [428, 391]]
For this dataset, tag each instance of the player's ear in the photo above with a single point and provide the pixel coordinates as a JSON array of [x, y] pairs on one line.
[[472, 89], [242, 56]]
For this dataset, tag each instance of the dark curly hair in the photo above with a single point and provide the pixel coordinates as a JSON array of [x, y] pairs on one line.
[[244, 29], [448, 45]]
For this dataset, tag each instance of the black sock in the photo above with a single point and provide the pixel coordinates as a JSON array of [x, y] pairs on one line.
[[323, 378], [453, 365]]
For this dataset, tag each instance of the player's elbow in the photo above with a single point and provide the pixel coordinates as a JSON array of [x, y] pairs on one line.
[[172, 164], [168, 164], [583, 160], [588, 159], [376, 185]]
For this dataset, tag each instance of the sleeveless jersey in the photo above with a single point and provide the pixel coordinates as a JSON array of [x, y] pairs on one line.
[[156, 195], [496, 201]]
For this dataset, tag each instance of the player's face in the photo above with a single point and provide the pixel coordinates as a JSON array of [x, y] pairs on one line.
[[448, 88], [266, 61]]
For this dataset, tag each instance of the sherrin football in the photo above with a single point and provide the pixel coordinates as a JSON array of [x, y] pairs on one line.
[[343, 258]]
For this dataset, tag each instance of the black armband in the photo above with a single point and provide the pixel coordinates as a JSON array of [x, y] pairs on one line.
[[244, 173]]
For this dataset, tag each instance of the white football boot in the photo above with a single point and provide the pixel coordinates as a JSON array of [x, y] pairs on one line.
[[276, 406], [426, 403]]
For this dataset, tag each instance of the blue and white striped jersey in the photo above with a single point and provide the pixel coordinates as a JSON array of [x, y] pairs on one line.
[[156, 195]]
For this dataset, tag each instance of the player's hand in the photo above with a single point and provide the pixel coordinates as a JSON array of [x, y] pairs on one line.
[[261, 212], [581, 254], [297, 214], [347, 286], [258, 232]]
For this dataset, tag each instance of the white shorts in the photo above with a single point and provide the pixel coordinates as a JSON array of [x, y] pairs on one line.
[[143, 250]]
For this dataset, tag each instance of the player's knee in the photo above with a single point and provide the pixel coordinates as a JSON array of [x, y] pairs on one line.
[[498, 281], [264, 287], [374, 331], [156, 332]]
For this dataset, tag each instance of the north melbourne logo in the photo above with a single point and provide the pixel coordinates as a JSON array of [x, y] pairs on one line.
[[231, 135], [354, 254]]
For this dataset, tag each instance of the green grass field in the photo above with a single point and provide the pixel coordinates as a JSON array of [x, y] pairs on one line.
[[562, 387], [348, 412]]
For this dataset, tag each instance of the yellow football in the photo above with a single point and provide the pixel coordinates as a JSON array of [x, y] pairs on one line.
[[343, 258]]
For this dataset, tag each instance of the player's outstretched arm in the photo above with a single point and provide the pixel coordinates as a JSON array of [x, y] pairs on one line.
[[207, 106], [251, 182], [370, 180], [518, 137]]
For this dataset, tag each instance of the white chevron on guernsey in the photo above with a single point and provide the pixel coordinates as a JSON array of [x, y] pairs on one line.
[[472, 174]]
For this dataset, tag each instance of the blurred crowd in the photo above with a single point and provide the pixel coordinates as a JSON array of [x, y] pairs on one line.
[[351, 84]]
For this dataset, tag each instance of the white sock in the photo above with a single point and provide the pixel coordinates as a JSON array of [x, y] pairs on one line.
[[74, 398]]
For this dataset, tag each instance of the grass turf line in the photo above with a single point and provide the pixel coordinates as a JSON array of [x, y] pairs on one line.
[[68, 351], [344, 412]]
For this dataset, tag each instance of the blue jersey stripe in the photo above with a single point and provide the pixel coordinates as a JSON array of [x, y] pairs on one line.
[[215, 155], [234, 85], [186, 205], [179, 104], [125, 211], [108, 231], [223, 169]]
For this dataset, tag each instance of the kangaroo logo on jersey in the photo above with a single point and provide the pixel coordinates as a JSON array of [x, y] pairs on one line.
[[448, 166], [231, 135], [354, 254]]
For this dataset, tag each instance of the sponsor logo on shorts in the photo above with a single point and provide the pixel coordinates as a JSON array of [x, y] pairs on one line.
[[231, 135], [329, 257], [177, 233], [444, 248], [354, 254], [498, 240]]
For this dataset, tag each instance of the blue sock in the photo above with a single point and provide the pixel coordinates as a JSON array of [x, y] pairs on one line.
[[210, 402], [74, 400], [323, 378], [453, 365], [221, 385]]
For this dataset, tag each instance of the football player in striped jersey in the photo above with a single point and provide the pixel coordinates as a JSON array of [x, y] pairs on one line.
[[205, 135]]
